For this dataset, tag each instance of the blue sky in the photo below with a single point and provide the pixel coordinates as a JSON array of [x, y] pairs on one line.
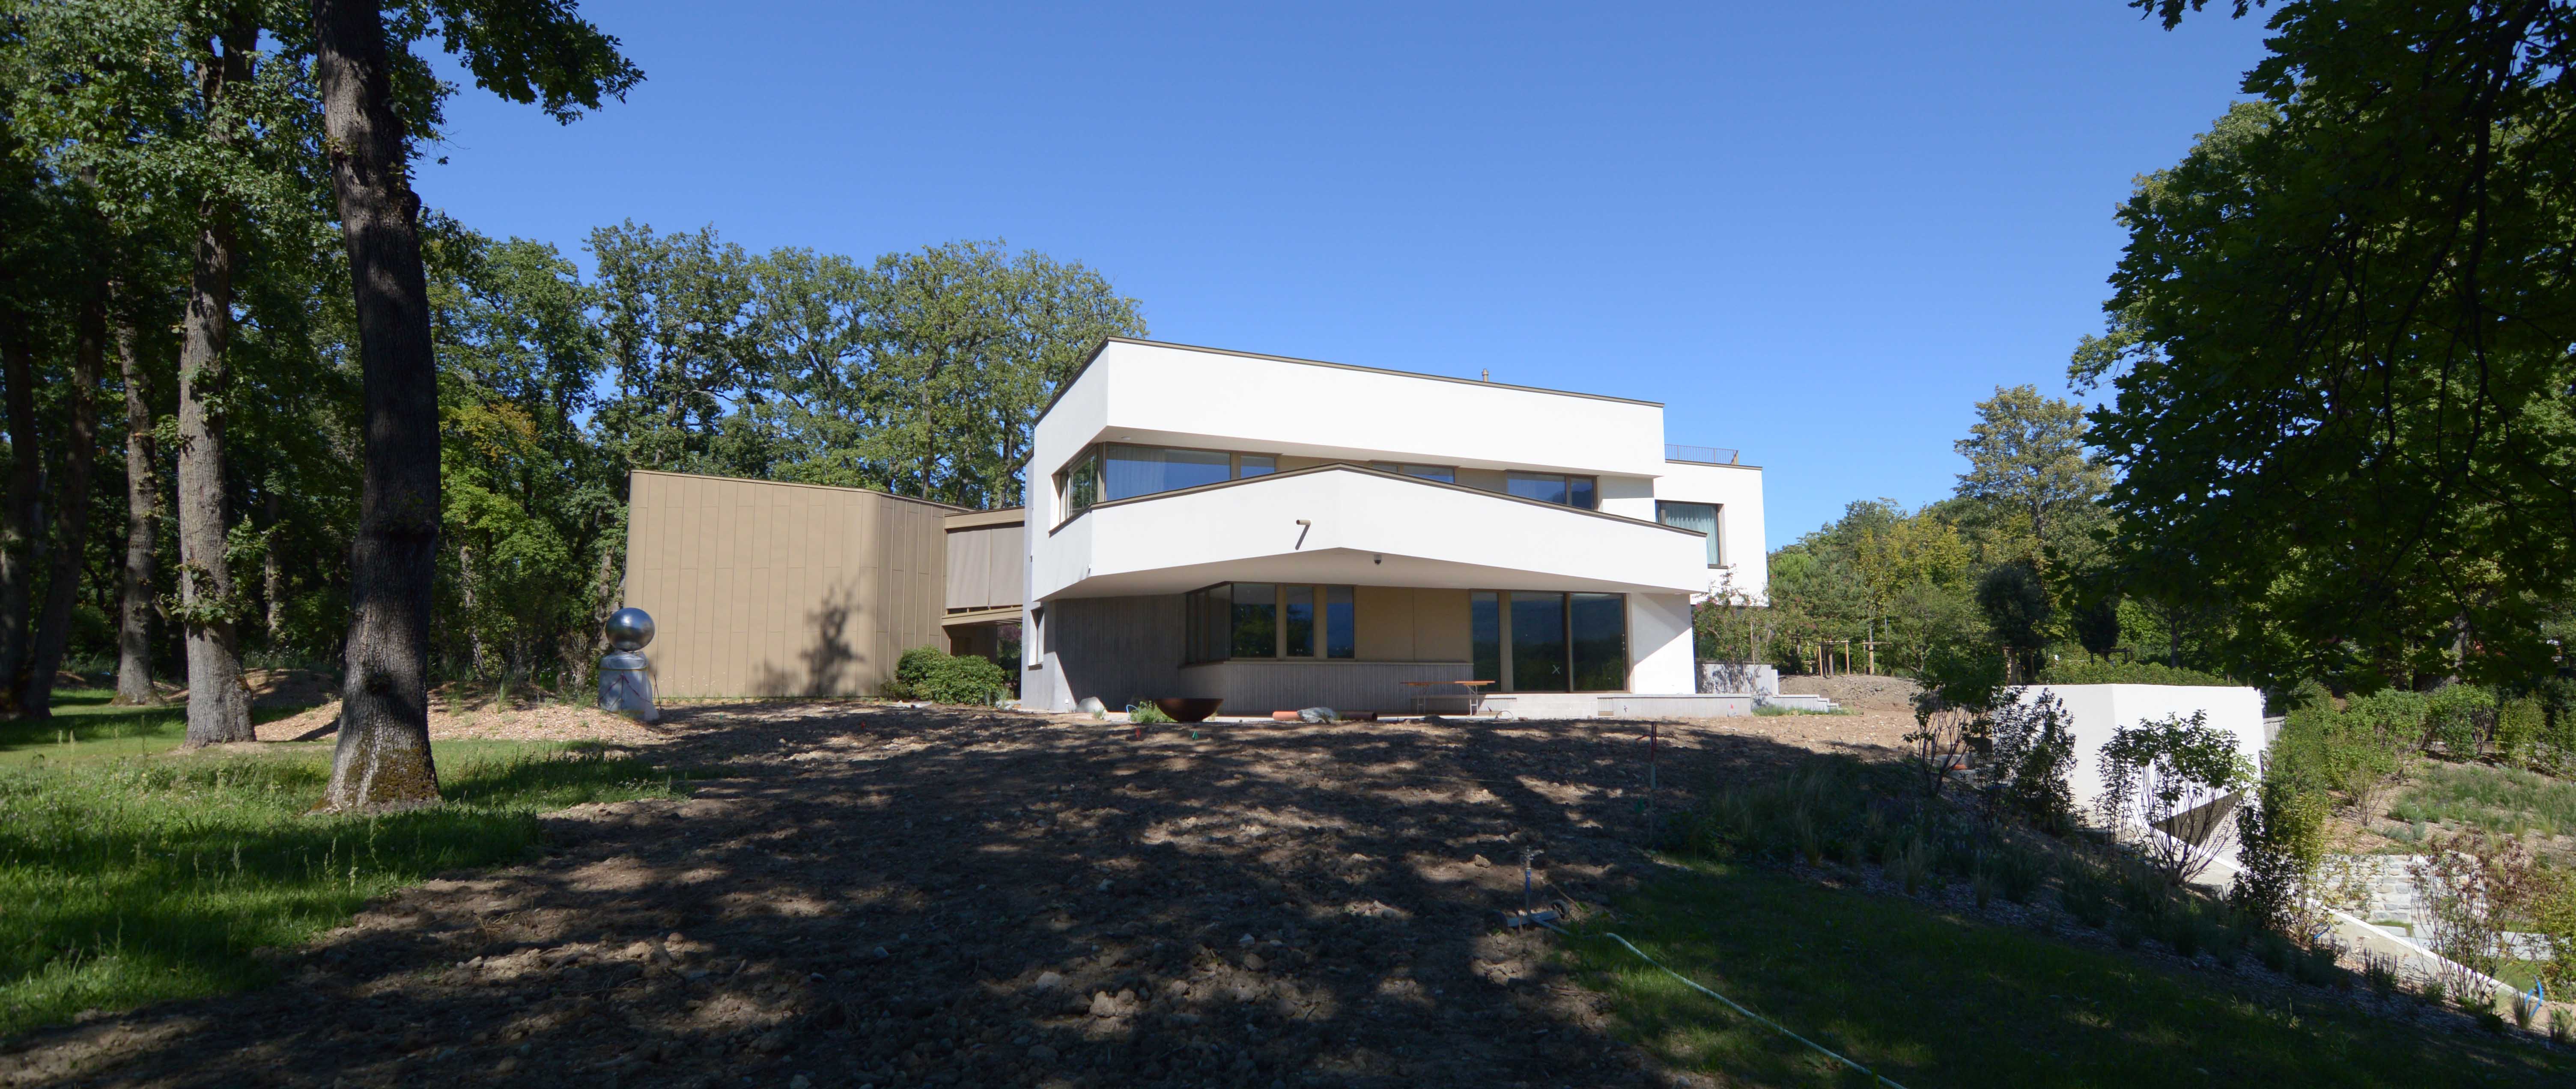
[[1817, 231]]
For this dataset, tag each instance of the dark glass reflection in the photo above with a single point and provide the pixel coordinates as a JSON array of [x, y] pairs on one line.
[[1340, 632], [1145, 470], [1538, 642], [1485, 635], [1256, 620], [1299, 621], [1600, 623]]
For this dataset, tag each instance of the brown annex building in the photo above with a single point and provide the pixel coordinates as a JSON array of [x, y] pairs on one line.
[[764, 588]]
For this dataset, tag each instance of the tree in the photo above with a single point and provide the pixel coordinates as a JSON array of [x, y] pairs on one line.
[[2339, 342], [2016, 605], [525, 50], [2026, 454]]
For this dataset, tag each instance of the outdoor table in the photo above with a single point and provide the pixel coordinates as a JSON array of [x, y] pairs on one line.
[[1422, 693]]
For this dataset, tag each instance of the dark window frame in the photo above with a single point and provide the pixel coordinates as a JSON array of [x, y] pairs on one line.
[[1092, 461]]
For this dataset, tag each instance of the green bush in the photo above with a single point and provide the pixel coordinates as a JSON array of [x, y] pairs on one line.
[[1144, 713], [2457, 715], [928, 673], [2129, 673]]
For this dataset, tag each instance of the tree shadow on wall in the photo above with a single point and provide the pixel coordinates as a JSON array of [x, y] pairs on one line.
[[832, 666]]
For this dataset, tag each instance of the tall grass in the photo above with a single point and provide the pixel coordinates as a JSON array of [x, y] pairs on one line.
[[128, 881], [2507, 800]]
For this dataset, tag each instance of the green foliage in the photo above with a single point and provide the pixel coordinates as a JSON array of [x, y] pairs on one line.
[[1881, 979], [1146, 714], [929, 673], [2508, 801], [2031, 752], [2360, 750], [2337, 340], [2281, 843], [136, 880], [2026, 454], [2162, 773], [2457, 716], [2016, 605], [2075, 672]]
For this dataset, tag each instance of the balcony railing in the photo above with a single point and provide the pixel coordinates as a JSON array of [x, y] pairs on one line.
[[1705, 455]]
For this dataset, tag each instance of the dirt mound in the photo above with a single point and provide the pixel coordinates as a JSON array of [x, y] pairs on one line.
[[1858, 690], [547, 722]]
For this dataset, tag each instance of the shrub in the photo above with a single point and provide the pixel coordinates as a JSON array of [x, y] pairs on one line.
[[2362, 750], [2522, 733], [2562, 1026], [2281, 843], [928, 673], [2129, 673], [2087, 896], [2031, 751], [1146, 714], [2019, 873], [2380, 971], [2163, 774], [2456, 716]]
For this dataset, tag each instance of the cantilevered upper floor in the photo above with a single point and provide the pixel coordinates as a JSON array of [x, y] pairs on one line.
[[1143, 419]]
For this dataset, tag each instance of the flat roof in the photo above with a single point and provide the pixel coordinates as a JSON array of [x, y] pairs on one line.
[[1085, 368]]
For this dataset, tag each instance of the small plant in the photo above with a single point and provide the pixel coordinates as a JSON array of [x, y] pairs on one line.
[[2182, 932], [2019, 874], [2379, 970], [2126, 934], [2170, 775], [2562, 1026], [2526, 1008], [2489, 1019], [2276, 953], [1983, 886], [2087, 896], [2431, 993], [1144, 713], [1911, 867]]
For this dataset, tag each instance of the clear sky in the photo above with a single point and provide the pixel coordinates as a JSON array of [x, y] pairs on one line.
[[1817, 231]]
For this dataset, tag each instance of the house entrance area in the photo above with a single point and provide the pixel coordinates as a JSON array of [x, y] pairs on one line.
[[1278, 646]]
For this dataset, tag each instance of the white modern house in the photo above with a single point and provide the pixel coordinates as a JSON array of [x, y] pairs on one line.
[[1283, 533]]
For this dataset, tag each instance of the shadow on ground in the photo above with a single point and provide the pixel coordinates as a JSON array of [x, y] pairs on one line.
[[899, 897]]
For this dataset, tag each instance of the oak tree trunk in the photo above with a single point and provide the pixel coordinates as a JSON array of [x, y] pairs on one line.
[[383, 758], [142, 528], [218, 704], [71, 507], [19, 532]]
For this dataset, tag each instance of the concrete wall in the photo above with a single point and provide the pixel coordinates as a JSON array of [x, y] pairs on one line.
[[1251, 687], [1659, 645], [2100, 710], [759, 588], [1737, 492]]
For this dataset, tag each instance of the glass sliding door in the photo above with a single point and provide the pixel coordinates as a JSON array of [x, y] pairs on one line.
[[1485, 635], [1297, 621], [1599, 624], [1341, 632], [1538, 642], [1256, 620]]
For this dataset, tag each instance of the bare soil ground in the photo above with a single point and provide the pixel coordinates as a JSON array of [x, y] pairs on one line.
[[889, 896]]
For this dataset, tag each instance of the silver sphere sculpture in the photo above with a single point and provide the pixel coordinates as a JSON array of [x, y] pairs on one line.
[[629, 629]]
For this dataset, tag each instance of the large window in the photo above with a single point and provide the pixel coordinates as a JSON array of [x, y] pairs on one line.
[[1549, 642], [1442, 473], [1538, 642], [1125, 471], [1571, 491], [1269, 620], [1698, 516]]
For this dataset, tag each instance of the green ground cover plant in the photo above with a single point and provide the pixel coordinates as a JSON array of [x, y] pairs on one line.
[[128, 879], [1929, 999], [2494, 799]]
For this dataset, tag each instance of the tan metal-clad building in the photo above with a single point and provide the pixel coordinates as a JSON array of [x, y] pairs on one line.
[[764, 588]]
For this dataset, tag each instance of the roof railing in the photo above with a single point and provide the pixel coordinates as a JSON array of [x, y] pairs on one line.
[[1704, 455]]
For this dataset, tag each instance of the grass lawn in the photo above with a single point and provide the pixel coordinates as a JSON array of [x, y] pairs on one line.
[[1930, 999], [2508, 800], [130, 873]]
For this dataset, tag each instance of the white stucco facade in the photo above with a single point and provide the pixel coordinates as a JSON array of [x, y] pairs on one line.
[[1463, 493], [2098, 711]]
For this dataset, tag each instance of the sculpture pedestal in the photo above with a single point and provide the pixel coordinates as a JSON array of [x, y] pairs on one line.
[[626, 688]]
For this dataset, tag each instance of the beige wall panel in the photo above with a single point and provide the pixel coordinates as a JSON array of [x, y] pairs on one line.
[[1440, 626], [1382, 623], [761, 588]]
